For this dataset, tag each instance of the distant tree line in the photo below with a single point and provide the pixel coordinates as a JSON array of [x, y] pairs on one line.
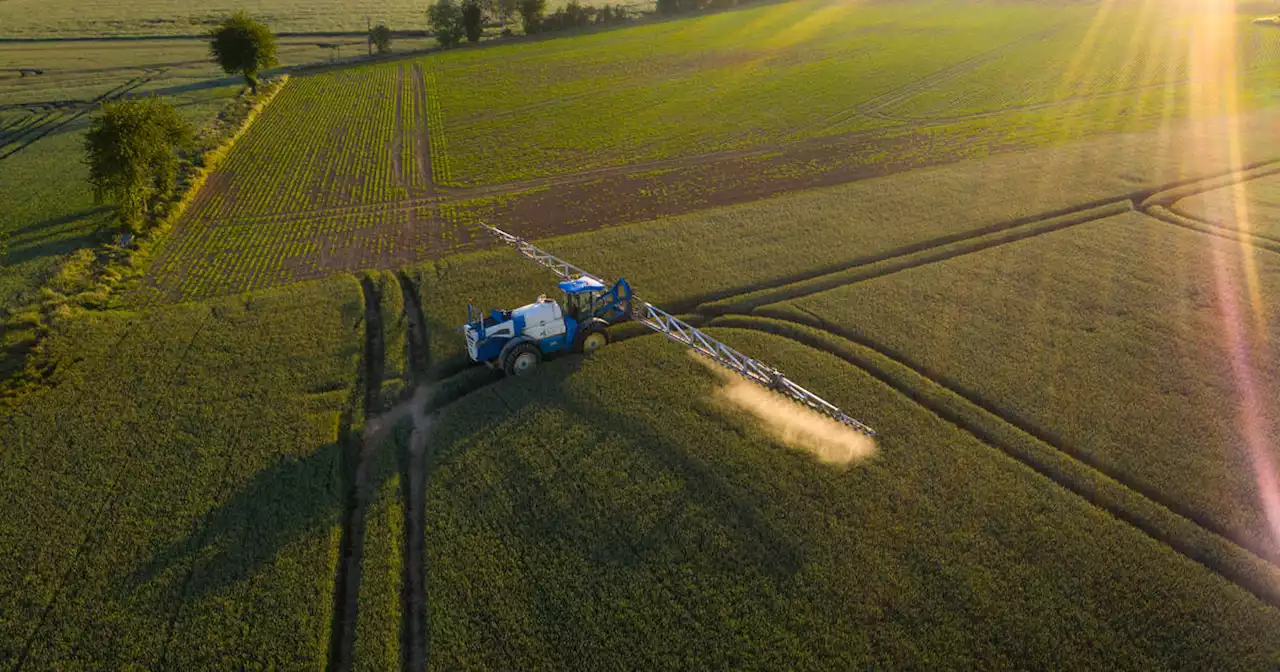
[[685, 6], [452, 21]]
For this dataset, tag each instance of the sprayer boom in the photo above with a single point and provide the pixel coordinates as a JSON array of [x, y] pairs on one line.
[[686, 334]]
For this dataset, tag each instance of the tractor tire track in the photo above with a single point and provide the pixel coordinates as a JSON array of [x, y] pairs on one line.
[[1031, 428], [356, 501], [397, 135], [1163, 204], [415, 568], [1036, 449], [913, 256]]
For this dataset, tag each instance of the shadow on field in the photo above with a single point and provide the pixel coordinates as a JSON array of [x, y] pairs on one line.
[[55, 236], [235, 541], [628, 535]]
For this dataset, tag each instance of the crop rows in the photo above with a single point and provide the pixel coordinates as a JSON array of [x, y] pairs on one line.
[[440, 169], [201, 259], [195, 509], [321, 143], [1119, 309]]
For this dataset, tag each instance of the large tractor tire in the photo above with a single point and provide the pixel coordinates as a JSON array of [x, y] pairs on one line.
[[522, 359], [594, 335]]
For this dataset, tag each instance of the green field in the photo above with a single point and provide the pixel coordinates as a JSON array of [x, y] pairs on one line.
[[387, 164], [1051, 331], [1252, 206], [191, 520], [123, 18], [1007, 235], [30, 18], [49, 210]]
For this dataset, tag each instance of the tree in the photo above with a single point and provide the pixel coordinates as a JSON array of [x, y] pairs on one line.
[[244, 46], [131, 150], [380, 36], [472, 19], [505, 10], [531, 14], [445, 18]]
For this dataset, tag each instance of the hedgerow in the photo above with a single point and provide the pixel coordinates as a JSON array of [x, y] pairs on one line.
[[90, 277]]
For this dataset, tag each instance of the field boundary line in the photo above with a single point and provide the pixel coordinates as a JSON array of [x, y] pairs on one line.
[[1219, 553]]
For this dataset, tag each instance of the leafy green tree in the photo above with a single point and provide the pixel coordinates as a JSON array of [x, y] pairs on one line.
[[531, 12], [380, 37], [473, 19], [131, 150], [244, 46], [445, 18]]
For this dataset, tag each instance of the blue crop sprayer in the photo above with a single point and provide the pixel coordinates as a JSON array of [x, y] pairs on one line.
[[517, 340]]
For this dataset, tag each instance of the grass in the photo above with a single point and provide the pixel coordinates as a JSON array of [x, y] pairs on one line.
[[574, 520], [31, 18], [729, 81], [1113, 339], [1252, 206], [187, 512], [1130, 47], [801, 70]]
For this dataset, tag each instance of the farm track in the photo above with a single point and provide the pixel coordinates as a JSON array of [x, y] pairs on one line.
[[347, 582], [54, 119], [413, 582], [116, 486]]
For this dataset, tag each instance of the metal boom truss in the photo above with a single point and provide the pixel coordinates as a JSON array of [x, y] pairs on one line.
[[684, 333]]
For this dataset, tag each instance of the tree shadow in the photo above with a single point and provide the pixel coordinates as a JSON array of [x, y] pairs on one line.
[[33, 227], [55, 236]]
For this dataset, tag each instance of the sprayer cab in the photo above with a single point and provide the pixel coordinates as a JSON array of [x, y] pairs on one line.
[[516, 340]]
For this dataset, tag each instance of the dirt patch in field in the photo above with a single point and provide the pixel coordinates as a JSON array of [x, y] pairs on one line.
[[606, 201]]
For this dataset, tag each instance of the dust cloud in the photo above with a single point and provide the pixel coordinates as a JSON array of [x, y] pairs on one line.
[[792, 424], [376, 428]]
